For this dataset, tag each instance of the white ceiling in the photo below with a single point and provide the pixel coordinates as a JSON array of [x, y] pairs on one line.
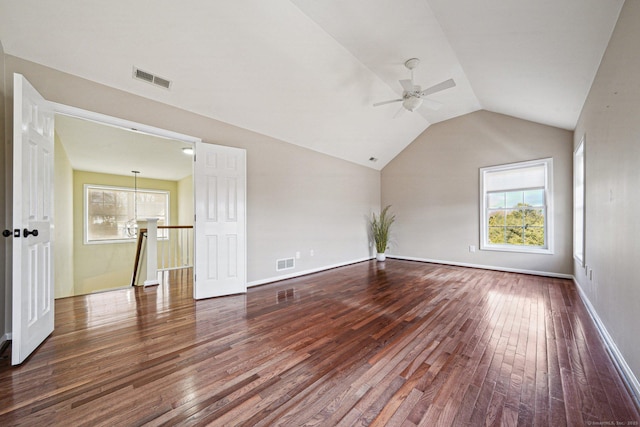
[[96, 147], [308, 71]]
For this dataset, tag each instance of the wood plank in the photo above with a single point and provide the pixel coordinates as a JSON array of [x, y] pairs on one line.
[[400, 344]]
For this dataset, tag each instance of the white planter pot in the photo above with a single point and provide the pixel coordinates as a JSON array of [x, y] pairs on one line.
[[381, 256]]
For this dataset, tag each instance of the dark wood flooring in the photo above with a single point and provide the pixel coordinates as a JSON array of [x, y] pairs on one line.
[[397, 343]]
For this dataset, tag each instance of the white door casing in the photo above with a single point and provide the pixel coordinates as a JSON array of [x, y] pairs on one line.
[[220, 225], [33, 163]]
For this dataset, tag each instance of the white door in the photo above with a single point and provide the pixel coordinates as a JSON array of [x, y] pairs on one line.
[[32, 283], [219, 177]]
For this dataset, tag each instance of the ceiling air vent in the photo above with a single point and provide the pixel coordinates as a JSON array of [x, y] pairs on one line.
[[151, 78]]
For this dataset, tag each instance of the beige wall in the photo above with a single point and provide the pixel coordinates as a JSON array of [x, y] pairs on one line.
[[63, 219], [610, 120], [4, 206], [109, 265], [433, 187], [297, 199]]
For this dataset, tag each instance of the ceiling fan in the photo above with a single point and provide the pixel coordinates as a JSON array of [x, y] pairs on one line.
[[413, 96]]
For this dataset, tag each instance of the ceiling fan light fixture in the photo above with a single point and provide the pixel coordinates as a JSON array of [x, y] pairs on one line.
[[412, 103]]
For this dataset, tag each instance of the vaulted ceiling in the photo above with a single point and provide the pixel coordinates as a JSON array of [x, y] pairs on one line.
[[309, 71]]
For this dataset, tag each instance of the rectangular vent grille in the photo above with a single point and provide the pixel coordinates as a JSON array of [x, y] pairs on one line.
[[285, 264], [151, 78]]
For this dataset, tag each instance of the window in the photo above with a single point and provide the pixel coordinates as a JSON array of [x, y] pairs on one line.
[[108, 209], [516, 207], [578, 203]]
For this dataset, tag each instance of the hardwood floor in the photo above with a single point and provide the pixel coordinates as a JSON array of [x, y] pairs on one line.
[[397, 343]]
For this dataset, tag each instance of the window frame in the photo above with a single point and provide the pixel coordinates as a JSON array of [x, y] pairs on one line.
[[85, 215], [548, 210], [579, 206]]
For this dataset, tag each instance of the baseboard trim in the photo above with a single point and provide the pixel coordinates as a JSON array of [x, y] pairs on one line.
[[618, 359], [6, 337], [303, 273], [484, 267]]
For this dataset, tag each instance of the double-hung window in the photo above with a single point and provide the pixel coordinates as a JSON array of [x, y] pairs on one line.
[[516, 207], [108, 209]]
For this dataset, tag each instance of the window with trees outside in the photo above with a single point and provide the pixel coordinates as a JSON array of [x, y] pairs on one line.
[[516, 207], [108, 209]]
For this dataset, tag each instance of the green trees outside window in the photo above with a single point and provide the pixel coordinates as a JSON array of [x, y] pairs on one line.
[[517, 217]]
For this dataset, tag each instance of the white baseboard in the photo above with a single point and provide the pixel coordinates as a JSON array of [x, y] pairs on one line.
[[303, 273], [485, 267], [625, 371]]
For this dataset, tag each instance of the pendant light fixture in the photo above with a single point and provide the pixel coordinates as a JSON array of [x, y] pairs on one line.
[[131, 227]]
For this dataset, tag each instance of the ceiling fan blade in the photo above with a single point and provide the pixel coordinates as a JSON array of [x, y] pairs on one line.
[[400, 112], [386, 102], [431, 104], [407, 85], [437, 88]]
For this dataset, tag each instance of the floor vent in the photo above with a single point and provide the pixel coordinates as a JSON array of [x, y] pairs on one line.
[[151, 78], [285, 264]]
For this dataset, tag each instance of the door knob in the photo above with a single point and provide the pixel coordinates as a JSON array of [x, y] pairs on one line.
[[25, 233], [7, 233]]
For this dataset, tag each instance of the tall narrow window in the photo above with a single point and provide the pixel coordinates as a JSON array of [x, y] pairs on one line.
[[578, 203], [107, 210], [516, 207]]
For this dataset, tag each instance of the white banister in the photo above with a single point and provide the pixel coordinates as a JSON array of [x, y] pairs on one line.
[[152, 252], [165, 248]]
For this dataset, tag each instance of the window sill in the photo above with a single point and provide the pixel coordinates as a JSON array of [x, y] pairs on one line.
[[519, 249]]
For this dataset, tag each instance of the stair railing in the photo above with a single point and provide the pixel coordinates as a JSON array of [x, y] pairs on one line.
[[174, 248]]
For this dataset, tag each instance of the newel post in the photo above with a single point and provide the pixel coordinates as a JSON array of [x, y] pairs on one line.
[[152, 252]]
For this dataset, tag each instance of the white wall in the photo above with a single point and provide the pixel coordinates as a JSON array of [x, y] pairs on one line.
[[298, 200], [610, 121], [433, 187]]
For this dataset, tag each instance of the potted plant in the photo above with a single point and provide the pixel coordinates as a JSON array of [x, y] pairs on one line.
[[380, 226]]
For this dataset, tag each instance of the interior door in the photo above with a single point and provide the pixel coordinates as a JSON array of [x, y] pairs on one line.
[[32, 281], [220, 208]]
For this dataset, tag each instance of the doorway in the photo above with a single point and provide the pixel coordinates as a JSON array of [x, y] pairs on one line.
[[219, 189], [93, 158]]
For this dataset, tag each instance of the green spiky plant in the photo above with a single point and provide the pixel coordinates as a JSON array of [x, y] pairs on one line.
[[380, 227]]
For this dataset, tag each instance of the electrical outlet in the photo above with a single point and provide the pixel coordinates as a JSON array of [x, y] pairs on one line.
[[472, 248], [297, 255], [311, 252]]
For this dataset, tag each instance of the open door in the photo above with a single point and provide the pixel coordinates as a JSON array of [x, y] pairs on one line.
[[219, 178], [32, 282]]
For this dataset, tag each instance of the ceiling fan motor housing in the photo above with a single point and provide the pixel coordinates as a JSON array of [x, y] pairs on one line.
[[412, 63]]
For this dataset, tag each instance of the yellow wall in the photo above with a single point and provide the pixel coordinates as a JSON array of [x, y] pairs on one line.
[[63, 223], [108, 265], [185, 200]]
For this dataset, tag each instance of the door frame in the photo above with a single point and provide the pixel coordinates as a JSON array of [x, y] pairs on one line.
[[104, 119], [122, 123], [163, 133]]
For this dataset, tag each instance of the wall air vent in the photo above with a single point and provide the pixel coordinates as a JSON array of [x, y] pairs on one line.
[[151, 78], [285, 264]]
